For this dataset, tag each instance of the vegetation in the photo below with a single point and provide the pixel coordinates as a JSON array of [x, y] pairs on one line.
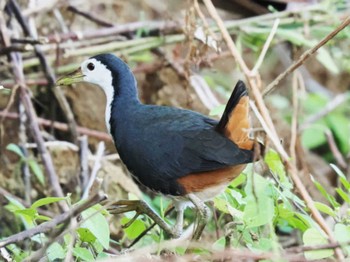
[[292, 205]]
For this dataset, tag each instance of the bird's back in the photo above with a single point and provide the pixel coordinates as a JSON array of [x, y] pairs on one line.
[[161, 146]]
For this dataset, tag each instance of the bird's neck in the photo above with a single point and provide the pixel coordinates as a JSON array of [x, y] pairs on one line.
[[122, 99]]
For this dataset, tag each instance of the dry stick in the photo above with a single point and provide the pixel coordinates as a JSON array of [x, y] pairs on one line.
[[34, 127], [29, 41], [89, 16], [266, 46], [49, 74], [332, 245], [63, 127], [7, 42], [294, 124], [96, 168], [248, 255], [84, 162], [266, 119], [119, 29], [5, 255], [305, 56], [15, 48], [50, 225], [202, 17], [23, 140], [335, 150]]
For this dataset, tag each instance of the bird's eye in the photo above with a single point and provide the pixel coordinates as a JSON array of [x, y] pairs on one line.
[[90, 66]]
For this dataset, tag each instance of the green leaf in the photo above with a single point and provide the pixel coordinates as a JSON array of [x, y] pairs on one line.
[[313, 237], [17, 253], [331, 199], [15, 206], [343, 195], [83, 253], [314, 136], [224, 206], [274, 162], [30, 212], [325, 209], [294, 36], [314, 103], [238, 180], [55, 252], [144, 56], [286, 214], [44, 218], [342, 177], [219, 244], [264, 244], [37, 171], [85, 235], [326, 60], [97, 224], [68, 238], [342, 235], [98, 248], [340, 125], [15, 149], [259, 209], [102, 256], [135, 229], [46, 201]]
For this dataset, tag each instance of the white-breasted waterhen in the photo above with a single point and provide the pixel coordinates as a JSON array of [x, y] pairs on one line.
[[172, 151]]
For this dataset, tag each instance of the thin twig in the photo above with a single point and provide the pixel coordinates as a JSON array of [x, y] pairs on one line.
[[84, 163], [96, 168], [89, 16], [331, 245], [15, 48], [294, 124], [302, 59], [62, 126], [29, 41], [50, 225], [335, 150], [22, 134], [266, 46], [159, 26]]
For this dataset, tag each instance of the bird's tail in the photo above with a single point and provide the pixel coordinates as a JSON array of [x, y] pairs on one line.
[[234, 123]]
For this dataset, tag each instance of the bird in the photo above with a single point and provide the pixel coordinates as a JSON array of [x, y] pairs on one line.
[[172, 151]]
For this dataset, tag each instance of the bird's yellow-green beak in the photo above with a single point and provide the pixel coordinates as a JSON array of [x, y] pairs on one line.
[[74, 77]]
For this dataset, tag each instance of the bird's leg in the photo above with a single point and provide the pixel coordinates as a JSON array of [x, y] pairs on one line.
[[202, 218], [178, 227], [141, 207]]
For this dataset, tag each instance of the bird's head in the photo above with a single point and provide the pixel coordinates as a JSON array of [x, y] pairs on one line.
[[105, 70]]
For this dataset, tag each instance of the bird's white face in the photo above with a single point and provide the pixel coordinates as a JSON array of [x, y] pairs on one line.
[[95, 72]]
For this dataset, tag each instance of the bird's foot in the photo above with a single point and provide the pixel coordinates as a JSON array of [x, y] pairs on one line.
[[202, 217], [141, 207]]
